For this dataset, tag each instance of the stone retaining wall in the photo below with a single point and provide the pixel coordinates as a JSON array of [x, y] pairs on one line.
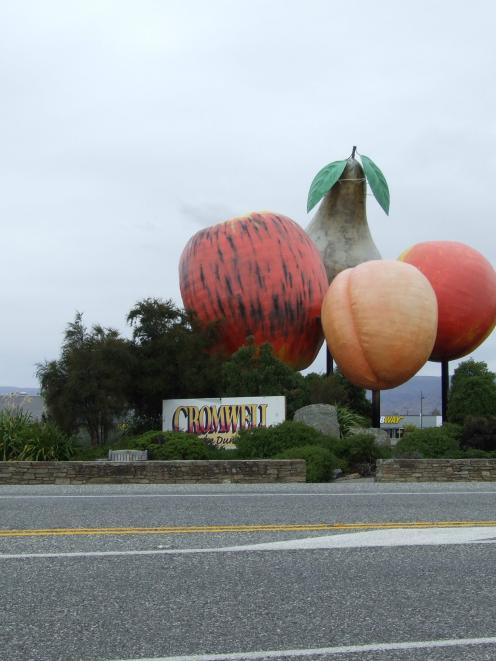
[[436, 470], [151, 472]]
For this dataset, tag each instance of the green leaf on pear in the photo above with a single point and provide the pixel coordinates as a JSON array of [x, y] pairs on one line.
[[324, 181], [377, 182]]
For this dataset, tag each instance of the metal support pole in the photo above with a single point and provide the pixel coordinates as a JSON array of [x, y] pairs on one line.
[[376, 409], [444, 389], [329, 362]]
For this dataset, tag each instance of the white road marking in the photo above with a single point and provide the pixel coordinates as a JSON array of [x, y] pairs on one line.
[[327, 651], [369, 539], [374, 538], [251, 495]]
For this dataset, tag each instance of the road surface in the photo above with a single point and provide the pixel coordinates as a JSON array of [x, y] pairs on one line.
[[348, 570]]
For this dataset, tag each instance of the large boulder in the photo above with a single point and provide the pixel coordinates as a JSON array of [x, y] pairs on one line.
[[322, 417], [380, 435]]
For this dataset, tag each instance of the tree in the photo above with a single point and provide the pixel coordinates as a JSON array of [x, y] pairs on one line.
[[336, 389], [172, 358], [87, 386], [472, 392], [255, 370]]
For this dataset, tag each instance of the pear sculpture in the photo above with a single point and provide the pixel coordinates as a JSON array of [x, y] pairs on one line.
[[339, 229]]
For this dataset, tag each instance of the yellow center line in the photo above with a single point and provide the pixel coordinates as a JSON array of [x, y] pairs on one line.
[[283, 527]]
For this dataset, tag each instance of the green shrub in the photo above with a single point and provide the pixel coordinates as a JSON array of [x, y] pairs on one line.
[[429, 443], [360, 452], [22, 439], [136, 425], [320, 462], [46, 442], [479, 432], [348, 419], [179, 448], [473, 453], [90, 452], [142, 441], [265, 442], [15, 430], [169, 445]]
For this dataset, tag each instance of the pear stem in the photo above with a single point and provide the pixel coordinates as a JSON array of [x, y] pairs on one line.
[[353, 152]]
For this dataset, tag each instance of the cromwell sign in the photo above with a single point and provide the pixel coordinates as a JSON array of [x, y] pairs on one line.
[[220, 419]]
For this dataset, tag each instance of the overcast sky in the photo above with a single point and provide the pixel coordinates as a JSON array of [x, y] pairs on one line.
[[127, 126]]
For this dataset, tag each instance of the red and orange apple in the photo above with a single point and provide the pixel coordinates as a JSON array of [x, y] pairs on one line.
[[465, 286], [260, 275], [380, 321]]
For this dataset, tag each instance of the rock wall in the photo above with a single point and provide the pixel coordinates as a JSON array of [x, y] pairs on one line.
[[151, 472], [436, 470]]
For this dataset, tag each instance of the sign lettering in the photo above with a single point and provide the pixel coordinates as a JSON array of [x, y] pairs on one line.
[[221, 419]]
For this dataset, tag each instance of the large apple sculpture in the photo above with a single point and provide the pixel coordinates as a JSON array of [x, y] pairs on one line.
[[380, 321], [465, 286], [260, 275]]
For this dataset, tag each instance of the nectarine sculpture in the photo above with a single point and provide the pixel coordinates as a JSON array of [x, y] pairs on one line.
[[465, 286]]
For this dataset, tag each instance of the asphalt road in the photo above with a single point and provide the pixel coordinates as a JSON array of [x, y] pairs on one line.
[[349, 570]]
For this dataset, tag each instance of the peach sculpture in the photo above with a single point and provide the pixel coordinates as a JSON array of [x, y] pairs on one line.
[[380, 322]]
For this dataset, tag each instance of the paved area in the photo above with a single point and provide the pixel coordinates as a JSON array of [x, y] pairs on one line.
[[349, 570]]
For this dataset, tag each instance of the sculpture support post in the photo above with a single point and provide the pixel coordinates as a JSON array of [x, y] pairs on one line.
[[444, 389], [329, 362], [376, 409]]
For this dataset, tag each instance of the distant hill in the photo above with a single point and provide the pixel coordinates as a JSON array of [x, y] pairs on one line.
[[6, 390], [405, 400]]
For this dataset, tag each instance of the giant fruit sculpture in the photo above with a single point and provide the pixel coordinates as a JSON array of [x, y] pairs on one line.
[[259, 275], [465, 286], [380, 321], [339, 229]]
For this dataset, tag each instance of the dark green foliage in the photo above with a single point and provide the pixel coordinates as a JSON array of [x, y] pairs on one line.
[[429, 443], [472, 392], [479, 433], [169, 445], [91, 452], [22, 439], [135, 424], [320, 462], [154, 437], [100, 376], [87, 387], [348, 419], [179, 448], [15, 430], [171, 358], [473, 453], [46, 442], [337, 390], [264, 443], [360, 452], [256, 371]]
